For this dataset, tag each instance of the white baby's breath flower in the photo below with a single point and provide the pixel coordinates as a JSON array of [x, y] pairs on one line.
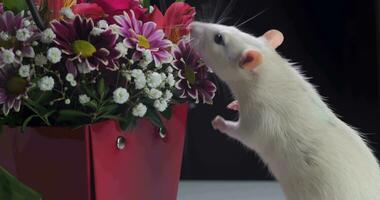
[[120, 95], [8, 56], [150, 9], [160, 105], [34, 43], [4, 36], [122, 48], [67, 101], [46, 83], [159, 66], [169, 70], [47, 36], [115, 29], [73, 83], [170, 80], [154, 80], [96, 31], [40, 60], [139, 78], [83, 68], [154, 93], [146, 59], [26, 23], [168, 95], [54, 55], [83, 99], [18, 53], [126, 74], [67, 12], [69, 77], [139, 110], [102, 24], [24, 71], [23, 34]]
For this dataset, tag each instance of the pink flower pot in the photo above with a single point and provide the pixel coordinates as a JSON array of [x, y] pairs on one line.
[[98, 161]]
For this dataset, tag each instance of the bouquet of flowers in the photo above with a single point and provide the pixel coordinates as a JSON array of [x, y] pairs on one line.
[[66, 63]]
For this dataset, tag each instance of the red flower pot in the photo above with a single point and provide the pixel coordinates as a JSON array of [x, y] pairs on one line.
[[91, 163]]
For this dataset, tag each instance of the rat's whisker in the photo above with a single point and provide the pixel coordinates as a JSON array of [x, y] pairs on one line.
[[251, 18], [241, 17], [224, 19], [216, 10], [228, 9]]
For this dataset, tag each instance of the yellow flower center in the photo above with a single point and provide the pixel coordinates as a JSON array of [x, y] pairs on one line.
[[10, 43], [16, 85], [143, 42], [83, 48], [190, 75]]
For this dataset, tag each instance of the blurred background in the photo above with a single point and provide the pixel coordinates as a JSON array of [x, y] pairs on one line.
[[337, 45]]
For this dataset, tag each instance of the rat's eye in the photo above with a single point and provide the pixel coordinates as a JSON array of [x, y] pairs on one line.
[[218, 38]]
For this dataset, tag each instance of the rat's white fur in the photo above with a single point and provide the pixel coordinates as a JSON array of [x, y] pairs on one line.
[[311, 152]]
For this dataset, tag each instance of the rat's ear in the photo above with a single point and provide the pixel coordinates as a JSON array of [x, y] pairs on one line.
[[274, 38], [250, 59]]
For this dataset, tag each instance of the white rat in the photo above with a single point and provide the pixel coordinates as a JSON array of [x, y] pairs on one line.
[[311, 152]]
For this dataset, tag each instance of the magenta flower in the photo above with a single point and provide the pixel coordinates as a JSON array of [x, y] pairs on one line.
[[12, 89], [144, 37], [84, 46], [17, 34], [193, 74]]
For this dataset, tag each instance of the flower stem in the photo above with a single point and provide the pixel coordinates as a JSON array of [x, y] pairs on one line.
[[36, 15]]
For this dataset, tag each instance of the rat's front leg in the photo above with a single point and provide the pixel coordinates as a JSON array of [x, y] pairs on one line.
[[225, 126]]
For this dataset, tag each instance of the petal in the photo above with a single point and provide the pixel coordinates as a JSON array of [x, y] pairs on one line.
[[148, 28], [17, 105], [3, 95], [28, 52], [71, 68]]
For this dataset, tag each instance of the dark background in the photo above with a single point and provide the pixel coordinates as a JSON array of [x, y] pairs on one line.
[[335, 43]]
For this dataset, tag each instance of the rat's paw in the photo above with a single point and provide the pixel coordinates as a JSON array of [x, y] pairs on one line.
[[219, 123], [234, 105]]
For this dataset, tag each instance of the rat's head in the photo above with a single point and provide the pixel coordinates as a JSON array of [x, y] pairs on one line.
[[231, 52]]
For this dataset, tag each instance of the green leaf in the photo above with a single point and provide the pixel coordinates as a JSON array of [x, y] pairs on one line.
[[39, 110], [127, 121], [89, 92], [72, 115], [106, 110], [15, 5], [180, 0], [27, 121], [92, 104], [13, 189], [101, 87], [155, 118], [146, 3], [167, 113]]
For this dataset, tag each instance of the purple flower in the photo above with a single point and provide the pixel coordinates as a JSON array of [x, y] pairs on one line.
[[193, 74], [144, 37], [17, 34], [12, 88], [84, 46], [1, 8]]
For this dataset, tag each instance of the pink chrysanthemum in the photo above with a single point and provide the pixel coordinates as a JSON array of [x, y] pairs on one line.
[[82, 47], [17, 34], [193, 74], [144, 37], [12, 88]]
